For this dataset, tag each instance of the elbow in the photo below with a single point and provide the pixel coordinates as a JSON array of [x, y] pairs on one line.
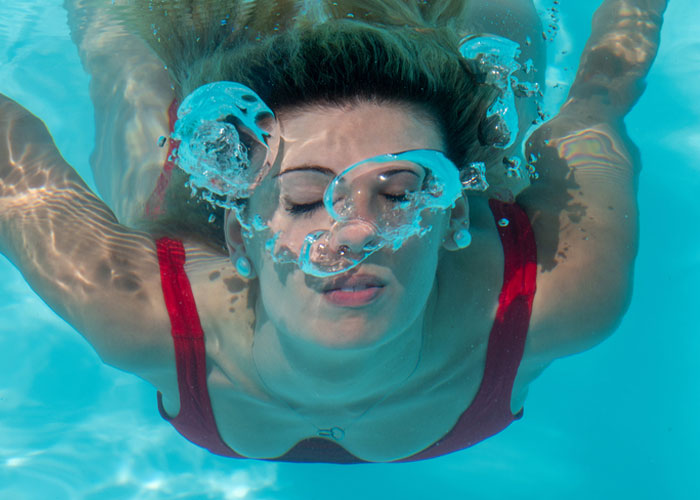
[[600, 315]]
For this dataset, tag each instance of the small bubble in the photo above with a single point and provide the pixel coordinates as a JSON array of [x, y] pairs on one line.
[[212, 218], [503, 222], [529, 66]]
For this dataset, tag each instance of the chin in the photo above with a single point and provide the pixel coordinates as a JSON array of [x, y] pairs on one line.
[[348, 332]]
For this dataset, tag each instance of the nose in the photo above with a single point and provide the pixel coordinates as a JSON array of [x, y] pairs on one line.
[[357, 236]]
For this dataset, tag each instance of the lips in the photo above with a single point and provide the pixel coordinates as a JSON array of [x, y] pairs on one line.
[[353, 291]]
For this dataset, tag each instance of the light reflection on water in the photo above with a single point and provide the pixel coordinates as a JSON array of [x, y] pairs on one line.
[[72, 428], [617, 422]]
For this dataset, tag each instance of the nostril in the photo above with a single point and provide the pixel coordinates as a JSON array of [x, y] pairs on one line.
[[357, 236]]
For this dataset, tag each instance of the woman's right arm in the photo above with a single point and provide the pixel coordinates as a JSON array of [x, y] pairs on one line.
[[98, 275], [583, 207]]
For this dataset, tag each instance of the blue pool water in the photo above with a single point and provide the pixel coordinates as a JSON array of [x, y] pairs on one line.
[[619, 421]]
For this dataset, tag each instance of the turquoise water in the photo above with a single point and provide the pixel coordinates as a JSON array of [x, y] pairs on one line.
[[619, 421]]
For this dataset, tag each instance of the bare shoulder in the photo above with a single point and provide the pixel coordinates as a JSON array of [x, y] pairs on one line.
[[225, 301]]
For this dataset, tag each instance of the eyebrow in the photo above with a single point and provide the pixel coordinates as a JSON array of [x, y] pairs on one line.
[[308, 168]]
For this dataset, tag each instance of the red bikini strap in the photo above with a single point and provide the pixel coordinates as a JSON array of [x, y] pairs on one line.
[[195, 418], [507, 340], [489, 412]]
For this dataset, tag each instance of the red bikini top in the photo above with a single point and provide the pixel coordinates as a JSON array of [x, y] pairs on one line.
[[488, 414]]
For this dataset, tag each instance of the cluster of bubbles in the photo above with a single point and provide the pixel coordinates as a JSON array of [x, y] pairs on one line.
[[320, 255], [552, 28], [222, 145], [495, 60]]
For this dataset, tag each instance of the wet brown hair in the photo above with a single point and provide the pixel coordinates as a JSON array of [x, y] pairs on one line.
[[397, 51]]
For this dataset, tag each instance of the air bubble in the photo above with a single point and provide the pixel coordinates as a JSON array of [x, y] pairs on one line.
[[503, 222], [494, 60], [513, 167], [211, 149]]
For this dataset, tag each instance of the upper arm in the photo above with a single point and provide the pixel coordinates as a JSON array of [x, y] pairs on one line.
[[100, 276], [585, 221], [583, 207]]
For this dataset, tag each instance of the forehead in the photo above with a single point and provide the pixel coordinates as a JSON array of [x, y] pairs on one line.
[[336, 137]]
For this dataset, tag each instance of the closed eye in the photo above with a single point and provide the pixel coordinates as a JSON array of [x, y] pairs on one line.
[[299, 209]]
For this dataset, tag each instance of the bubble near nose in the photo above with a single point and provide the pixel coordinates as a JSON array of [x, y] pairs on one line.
[[321, 255], [356, 236]]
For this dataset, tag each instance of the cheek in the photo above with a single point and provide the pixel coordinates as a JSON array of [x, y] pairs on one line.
[[279, 291], [415, 264], [416, 267], [291, 231]]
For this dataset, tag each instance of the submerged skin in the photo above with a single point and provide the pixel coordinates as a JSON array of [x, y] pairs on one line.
[[273, 382]]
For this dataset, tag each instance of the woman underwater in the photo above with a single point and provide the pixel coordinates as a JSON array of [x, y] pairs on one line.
[[357, 278]]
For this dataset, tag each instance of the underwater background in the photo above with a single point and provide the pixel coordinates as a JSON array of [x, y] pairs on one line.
[[619, 421]]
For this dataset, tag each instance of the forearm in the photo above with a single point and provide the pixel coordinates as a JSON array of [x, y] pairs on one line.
[[622, 46], [130, 91]]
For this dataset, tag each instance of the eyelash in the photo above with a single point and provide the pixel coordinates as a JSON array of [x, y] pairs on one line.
[[306, 209]]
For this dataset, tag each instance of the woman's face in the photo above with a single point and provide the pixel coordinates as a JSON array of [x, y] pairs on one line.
[[386, 293]]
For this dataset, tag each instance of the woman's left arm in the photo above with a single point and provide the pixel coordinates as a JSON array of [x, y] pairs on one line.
[[583, 208]]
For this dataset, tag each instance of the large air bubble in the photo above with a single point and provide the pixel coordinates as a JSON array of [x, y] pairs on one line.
[[224, 146]]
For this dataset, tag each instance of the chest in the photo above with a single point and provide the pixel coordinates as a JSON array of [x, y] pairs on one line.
[[396, 425]]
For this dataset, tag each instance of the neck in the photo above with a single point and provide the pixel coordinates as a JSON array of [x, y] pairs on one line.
[[314, 379]]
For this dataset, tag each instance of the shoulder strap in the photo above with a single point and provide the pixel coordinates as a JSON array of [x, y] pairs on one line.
[[507, 339], [489, 412], [195, 421]]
